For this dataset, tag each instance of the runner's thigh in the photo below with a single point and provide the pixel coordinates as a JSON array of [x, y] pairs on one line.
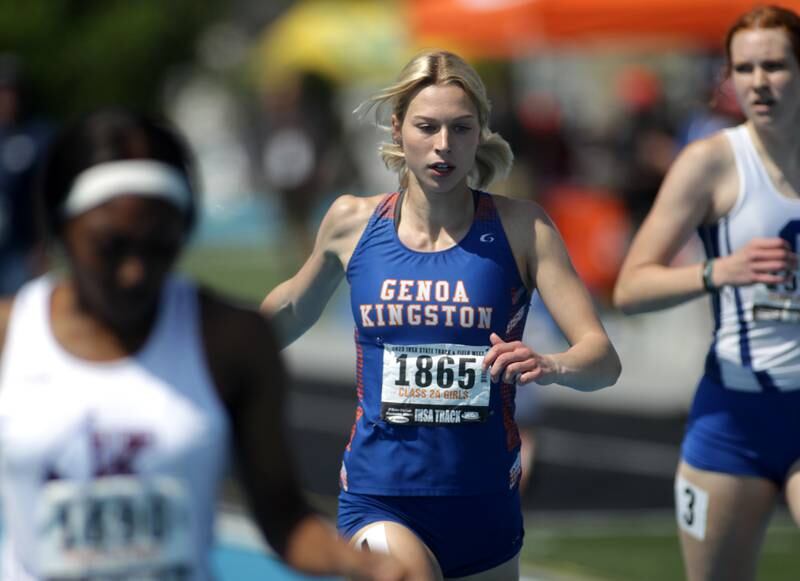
[[722, 520], [793, 491], [398, 540]]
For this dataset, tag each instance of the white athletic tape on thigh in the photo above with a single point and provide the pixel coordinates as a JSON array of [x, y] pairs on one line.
[[144, 177], [691, 508], [373, 539]]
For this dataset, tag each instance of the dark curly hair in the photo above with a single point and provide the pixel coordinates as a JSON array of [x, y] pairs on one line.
[[104, 135]]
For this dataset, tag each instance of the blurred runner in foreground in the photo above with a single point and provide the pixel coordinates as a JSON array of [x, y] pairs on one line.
[[124, 388]]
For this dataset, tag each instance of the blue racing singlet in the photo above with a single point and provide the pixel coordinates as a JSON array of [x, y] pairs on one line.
[[429, 421]]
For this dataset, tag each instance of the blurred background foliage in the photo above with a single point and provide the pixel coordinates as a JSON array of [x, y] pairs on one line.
[[79, 55]]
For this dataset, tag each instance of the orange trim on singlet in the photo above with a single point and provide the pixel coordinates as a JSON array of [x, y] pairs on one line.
[[359, 413], [386, 208], [359, 369], [359, 388], [507, 392], [486, 210]]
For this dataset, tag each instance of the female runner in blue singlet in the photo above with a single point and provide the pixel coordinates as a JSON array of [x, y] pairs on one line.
[[740, 189], [441, 275], [124, 388]]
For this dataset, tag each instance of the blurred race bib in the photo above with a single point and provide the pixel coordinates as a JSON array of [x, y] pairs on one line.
[[778, 303], [117, 528]]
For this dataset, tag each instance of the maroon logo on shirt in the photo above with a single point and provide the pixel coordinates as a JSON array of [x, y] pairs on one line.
[[104, 454], [115, 453]]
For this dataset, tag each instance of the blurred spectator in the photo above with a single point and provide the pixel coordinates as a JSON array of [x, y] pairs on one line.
[[719, 111], [645, 140], [596, 229], [305, 158], [544, 145], [533, 126], [23, 138]]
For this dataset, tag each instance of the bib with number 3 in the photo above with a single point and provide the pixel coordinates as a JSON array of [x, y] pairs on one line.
[[434, 384]]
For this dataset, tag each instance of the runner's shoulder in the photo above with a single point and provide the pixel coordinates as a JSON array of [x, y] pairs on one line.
[[348, 215], [520, 217], [708, 157]]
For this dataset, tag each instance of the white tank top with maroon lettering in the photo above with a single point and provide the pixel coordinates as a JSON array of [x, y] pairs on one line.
[[108, 470]]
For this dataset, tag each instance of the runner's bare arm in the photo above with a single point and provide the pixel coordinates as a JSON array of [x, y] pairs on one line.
[[686, 199], [296, 304], [5, 314], [247, 368], [700, 188], [591, 361]]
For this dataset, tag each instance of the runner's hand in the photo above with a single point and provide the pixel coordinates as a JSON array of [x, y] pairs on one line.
[[516, 362], [762, 260]]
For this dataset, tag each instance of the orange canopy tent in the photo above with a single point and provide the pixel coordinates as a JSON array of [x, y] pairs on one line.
[[504, 28]]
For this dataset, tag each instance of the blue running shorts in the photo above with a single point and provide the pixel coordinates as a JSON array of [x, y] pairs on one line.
[[743, 433], [467, 534]]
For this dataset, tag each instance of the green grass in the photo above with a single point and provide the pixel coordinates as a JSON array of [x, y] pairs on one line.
[[627, 548], [245, 273]]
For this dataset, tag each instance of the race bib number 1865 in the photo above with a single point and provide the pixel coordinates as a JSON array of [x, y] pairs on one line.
[[434, 384]]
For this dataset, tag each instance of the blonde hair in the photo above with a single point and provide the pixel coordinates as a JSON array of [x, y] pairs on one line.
[[437, 67]]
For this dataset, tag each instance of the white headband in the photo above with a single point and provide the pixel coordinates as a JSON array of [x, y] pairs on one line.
[[140, 177]]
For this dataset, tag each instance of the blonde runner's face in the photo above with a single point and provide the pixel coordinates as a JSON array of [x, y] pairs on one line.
[[440, 135], [766, 76]]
